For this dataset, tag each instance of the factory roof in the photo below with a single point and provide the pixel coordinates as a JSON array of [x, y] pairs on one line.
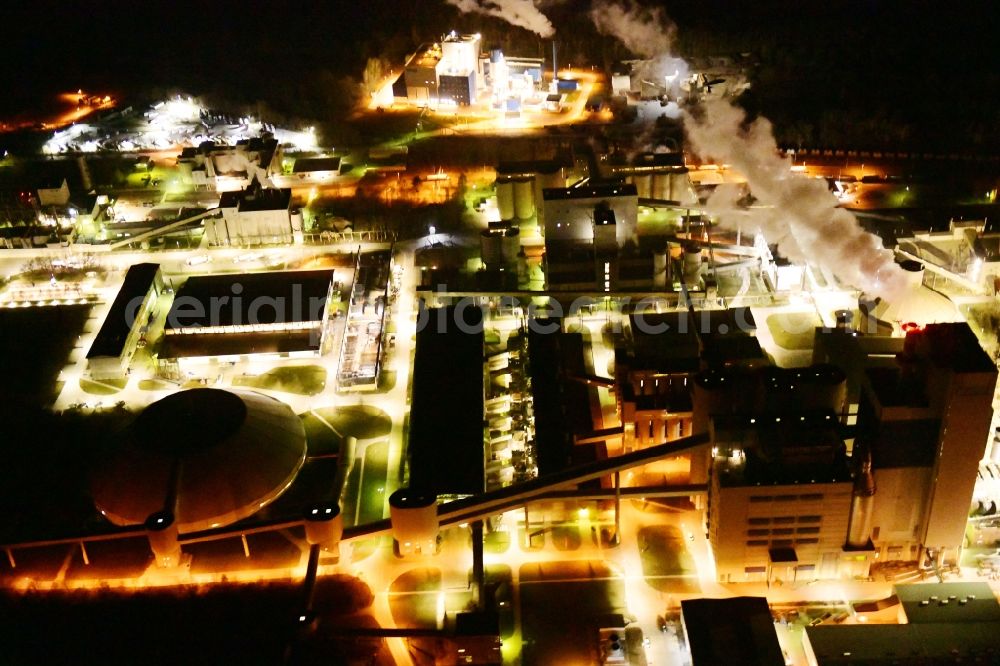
[[903, 443], [737, 630], [948, 602], [213, 457], [250, 298], [955, 346], [530, 167], [110, 339], [588, 192], [446, 440], [237, 344], [792, 448], [894, 644], [265, 198], [256, 197], [561, 405], [310, 164]]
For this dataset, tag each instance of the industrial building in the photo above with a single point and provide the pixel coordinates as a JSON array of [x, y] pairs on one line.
[[364, 339], [223, 318], [924, 415], [446, 445], [738, 630], [317, 169], [255, 215], [207, 456], [225, 168], [938, 623], [587, 230], [455, 71], [111, 352]]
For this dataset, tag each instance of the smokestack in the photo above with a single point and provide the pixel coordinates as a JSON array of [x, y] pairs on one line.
[[859, 528], [555, 67]]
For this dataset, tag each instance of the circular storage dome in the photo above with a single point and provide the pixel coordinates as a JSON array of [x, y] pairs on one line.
[[213, 457]]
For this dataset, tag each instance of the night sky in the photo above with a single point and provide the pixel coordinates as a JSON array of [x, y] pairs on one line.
[[915, 63]]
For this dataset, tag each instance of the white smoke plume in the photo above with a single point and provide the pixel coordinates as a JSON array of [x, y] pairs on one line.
[[522, 13], [646, 31], [798, 214], [803, 220]]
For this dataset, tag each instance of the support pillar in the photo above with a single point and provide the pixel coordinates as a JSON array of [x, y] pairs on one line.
[[618, 507]]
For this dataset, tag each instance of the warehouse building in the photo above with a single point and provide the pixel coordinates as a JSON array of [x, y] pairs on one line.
[[112, 350], [224, 318], [447, 439], [255, 215]]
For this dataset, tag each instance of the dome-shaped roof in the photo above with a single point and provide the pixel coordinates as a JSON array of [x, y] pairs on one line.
[[213, 457]]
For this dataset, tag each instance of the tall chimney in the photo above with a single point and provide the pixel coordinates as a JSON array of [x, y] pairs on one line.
[[555, 68], [859, 528]]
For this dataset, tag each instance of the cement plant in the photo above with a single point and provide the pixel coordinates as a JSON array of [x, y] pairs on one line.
[[551, 362]]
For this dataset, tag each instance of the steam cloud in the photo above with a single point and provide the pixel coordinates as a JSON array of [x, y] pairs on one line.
[[646, 31], [522, 13], [800, 214], [804, 219]]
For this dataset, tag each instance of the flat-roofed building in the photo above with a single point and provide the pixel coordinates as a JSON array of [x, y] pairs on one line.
[[925, 410], [447, 442], [232, 317], [737, 630], [316, 169], [254, 215], [116, 341], [940, 623]]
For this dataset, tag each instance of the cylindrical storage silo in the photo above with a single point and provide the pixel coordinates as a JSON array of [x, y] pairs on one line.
[[511, 241], [414, 521], [681, 189], [324, 526], [692, 264], [524, 199], [297, 222], [643, 185], [660, 270], [710, 397], [779, 388], [491, 248], [523, 271], [822, 387], [161, 530], [661, 186], [505, 199]]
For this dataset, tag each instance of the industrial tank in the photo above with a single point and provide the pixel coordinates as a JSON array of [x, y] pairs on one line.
[[692, 265], [414, 521], [161, 530], [643, 185], [661, 186], [660, 270], [822, 387], [324, 526], [681, 189], [505, 199], [711, 397], [209, 457], [524, 199], [511, 242], [491, 248]]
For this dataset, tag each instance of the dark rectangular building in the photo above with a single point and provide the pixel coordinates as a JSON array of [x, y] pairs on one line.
[[446, 440]]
